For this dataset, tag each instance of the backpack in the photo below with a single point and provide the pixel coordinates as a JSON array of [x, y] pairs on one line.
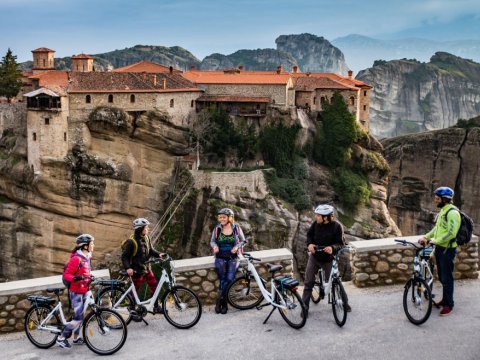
[[135, 245], [465, 232], [65, 281]]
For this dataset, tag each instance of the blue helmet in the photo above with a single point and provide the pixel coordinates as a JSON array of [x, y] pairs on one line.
[[444, 191]]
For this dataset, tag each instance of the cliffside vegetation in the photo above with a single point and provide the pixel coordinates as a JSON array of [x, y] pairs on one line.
[[10, 83]]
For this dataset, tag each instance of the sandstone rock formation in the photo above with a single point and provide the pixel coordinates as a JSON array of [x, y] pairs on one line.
[[409, 96], [422, 162]]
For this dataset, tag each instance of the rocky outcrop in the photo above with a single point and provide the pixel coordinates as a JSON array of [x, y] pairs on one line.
[[260, 59], [313, 53], [420, 163], [409, 96]]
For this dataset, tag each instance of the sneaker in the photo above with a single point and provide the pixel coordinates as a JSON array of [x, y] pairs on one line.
[[447, 310], [158, 309], [348, 308], [63, 343], [78, 341], [439, 304]]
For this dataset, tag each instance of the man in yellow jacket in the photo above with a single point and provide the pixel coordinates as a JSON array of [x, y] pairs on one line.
[[443, 236]]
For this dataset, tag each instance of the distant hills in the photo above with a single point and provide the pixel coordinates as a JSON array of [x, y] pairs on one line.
[[361, 51]]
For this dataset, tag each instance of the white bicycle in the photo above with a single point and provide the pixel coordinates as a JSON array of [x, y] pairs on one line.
[[248, 291], [181, 306], [104, 331]]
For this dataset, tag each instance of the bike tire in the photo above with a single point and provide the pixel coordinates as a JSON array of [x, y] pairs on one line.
[[316, 295], [181, 307], [339, 301], [244, 293], [416, 304], [109, 297], [104, 331], [295, 315], [42, 339]]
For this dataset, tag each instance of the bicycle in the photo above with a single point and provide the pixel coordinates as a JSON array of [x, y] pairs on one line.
[[417, 296], [337, 296], [181, 306], [104, 331], [248, 291]]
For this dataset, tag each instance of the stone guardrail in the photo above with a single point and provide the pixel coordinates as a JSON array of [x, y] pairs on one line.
[[384, 262], [13, 298], [198, 274]]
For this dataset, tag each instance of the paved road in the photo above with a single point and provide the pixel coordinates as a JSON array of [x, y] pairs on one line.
[[376, 329]]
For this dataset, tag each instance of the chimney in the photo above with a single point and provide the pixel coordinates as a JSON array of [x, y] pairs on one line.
[[240, 67], [279, 69], [350, 74], [154, 80], [295, 69], [170, 70], [164, 83]]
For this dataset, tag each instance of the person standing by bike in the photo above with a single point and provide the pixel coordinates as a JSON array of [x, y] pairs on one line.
[[225, 241], [77, 273], [327, 233], [443, 236], [137, 250]]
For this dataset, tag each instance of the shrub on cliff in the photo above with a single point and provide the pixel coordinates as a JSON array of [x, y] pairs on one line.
[[353, 190]]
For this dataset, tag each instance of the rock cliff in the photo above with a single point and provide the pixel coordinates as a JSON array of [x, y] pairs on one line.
[[420, 163], [409, 96], [313, 53]]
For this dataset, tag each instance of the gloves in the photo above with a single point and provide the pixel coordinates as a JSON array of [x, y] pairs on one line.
[[77, 278]]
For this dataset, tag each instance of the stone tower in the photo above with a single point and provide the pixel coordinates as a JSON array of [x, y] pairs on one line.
[[82, 62], [43, 60]]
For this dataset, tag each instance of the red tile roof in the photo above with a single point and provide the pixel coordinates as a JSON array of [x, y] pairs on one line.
[[83, 56], [43, 49], [242, 78], [254, 99], [81, 82], [55, 80], [146, 66]]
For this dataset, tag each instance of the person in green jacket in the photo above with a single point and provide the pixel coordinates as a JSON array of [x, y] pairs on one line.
[[443, 236]]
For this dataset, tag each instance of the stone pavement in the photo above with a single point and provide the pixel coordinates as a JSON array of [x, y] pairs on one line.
[[376, 329]]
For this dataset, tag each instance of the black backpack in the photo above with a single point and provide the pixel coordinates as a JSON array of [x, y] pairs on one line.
[[465, 232]]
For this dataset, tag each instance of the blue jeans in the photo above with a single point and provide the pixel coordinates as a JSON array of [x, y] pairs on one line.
[[445, 258], [226, 269]]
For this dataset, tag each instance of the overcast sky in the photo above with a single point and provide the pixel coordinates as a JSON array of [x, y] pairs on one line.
[[207, 26]]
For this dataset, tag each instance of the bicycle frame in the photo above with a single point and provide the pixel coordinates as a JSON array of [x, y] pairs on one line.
[[327, 286], [268, 296], [149, 303]]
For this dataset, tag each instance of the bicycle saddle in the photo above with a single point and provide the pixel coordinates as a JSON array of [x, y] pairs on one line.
[[273, 268], [56, 291]]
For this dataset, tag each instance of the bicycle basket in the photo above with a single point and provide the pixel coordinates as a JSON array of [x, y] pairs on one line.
[[287, 282]]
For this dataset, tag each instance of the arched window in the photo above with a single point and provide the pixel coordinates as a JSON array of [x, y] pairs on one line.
[[352, 100], [314, 99], [171, 103], [110, 98], [192, 103], [88, 99], [364, 107], [64, 136], [322, 100], [34, 136], [132, 98], [365, 93]]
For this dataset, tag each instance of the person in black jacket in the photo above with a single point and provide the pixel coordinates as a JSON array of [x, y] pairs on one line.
[[327, 233], [138, 249]]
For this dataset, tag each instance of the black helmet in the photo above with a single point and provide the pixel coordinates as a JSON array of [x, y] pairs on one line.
[[226, 211], [140, 223], [84, 239]]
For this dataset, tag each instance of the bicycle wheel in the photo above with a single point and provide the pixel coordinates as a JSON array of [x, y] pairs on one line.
[[416, 304], [38, 337], [104, 331], [316, 295], [339, 302], [295, 313], [244, 293], [110, 296], [181, 307]]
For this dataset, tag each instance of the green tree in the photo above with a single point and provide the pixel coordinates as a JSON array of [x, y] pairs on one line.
[[335, 139], [10, 83]]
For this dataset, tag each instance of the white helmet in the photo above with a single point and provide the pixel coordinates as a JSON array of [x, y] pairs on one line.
[[140, 222], [324, 210]]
